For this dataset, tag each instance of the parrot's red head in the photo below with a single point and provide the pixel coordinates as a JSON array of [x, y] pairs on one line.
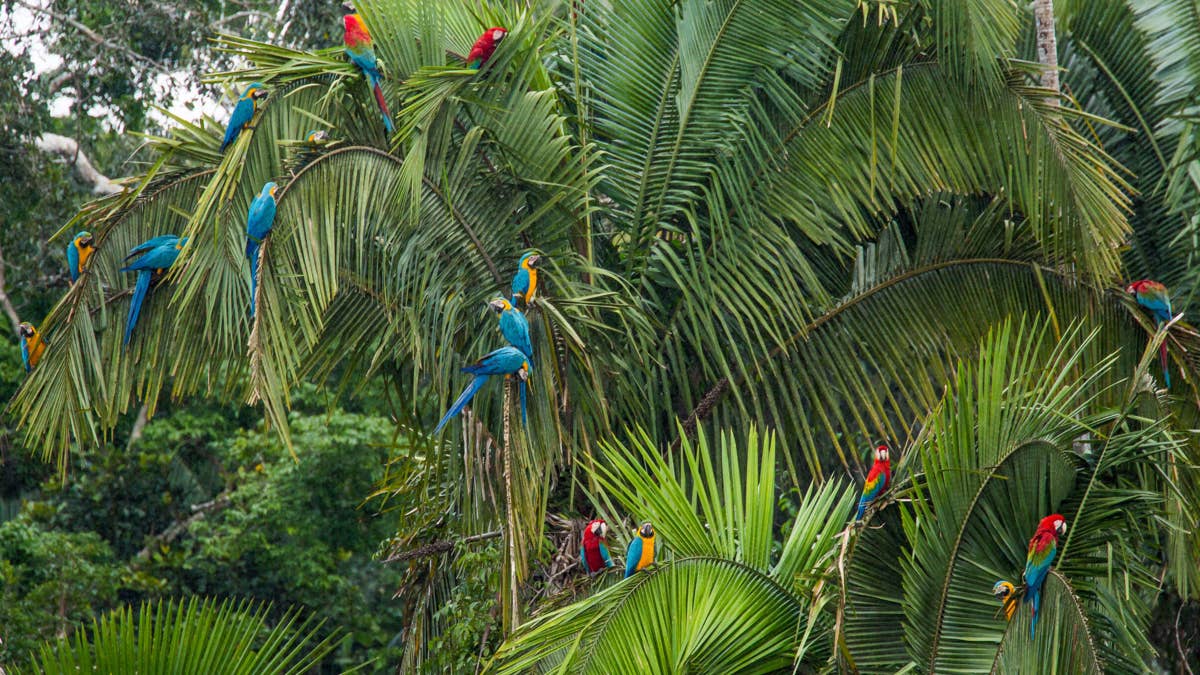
[[883, 453], [597, 528], [1053, 524], [496, 34], [1142, 286]]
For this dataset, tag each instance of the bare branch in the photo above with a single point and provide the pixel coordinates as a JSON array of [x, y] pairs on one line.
[[68, 149], [199, 512], [4, 301], [92, 35]]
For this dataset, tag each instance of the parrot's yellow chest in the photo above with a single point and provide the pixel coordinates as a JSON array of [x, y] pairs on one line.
[[647, 552]]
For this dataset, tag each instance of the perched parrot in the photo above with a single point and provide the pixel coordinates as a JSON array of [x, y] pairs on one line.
[[594, 555], [1042, 549], [258, 225], [524, 283], [503, 361], [243, 112], [32, 345], [483, 48], [78, 251], [878, 479], [641, 550], [1154, 297], [155, 242], [513, 325], [1006, 593], [158, 258], [316, 137], [358, 48]]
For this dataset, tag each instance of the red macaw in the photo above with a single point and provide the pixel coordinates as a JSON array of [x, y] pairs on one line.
[[878, 479], [485, 46], [1154, 297], [594, 555], [361, 53], [1042, 549]]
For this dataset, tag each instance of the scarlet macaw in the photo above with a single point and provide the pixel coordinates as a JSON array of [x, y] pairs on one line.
[[157, 258], [1006, 593], [1042, 548], [524, 283], [594, 554], [485, 46], [78, 252], [32, 345], [641, 550], [243, 112], [878, 479], [1154, 297], [258, 225], [503, 361], [358, 48]]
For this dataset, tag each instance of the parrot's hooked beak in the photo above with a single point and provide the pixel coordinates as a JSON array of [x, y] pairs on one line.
[[85, 241], [25, 330], [497, 305], [647, 530], [1060, 528], [349, 7], [533, 260], [260, 93]]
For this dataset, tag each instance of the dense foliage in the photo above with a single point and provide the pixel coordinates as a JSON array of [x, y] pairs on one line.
[[773, 231]]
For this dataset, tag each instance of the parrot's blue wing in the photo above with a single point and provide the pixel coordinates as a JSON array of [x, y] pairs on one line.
[[151, 244], [25, 355], [633, 556], [242, 112], [73, 260], [520, 284], [604, 554]]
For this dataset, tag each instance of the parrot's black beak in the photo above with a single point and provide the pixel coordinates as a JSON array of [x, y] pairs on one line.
[[533, 260], [260, 93], [497, 305], [349, 7], [85, 241], [647, 530]]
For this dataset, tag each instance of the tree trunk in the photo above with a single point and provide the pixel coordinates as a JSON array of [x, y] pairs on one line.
[[1047, 45]]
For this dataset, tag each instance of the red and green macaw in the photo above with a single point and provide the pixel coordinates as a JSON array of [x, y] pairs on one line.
[[485, 46], [641, 550], [156, 256], [258, 225], [1042, 549], [524, 283], [1154, 297], [503, 361], [32, 345], [878, 479], [243, 112], [1006, 593], [594, 555], [78, 251], [361, 53]]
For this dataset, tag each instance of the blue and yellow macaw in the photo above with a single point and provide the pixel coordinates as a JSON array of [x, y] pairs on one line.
[[877, 479], [316, 137], [1042, 549], [641, 550], [258, 225], [513, 325], [243, 112], [1154, 297], [362, 54], [79, 250], [32, 345], [154, 259], [524, 283], [503, 361], [1006, 593]]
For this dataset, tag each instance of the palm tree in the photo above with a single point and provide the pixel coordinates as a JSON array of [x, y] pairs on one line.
[[800, 216], [225, 638]]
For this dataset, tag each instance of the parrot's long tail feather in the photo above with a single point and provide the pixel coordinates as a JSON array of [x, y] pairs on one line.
[[1036, 599], [521, 389], [462, 401], [383, 108], [135, 305], [1162, 356], [862, 509], [252, 254]]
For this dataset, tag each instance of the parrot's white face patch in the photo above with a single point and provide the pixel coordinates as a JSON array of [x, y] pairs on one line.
[[498, 35]]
